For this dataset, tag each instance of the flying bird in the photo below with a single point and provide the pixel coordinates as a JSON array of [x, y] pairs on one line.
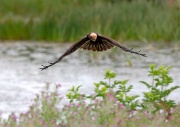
[[94, 42]]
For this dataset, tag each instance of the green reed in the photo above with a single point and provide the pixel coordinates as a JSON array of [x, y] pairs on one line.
[[70, 20]]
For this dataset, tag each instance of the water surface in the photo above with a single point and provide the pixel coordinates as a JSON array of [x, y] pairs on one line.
[[21, 78]]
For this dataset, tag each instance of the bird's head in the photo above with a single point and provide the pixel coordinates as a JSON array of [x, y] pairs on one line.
[[93, 36]]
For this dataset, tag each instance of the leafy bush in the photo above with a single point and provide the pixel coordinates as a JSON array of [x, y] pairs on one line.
[[159, 89], [109, 105]]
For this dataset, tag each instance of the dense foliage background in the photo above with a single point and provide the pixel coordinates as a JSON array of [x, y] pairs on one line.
[[69, 20]]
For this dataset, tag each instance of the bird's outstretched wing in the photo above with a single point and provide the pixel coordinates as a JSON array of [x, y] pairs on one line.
[[121, 46], [72, 49]]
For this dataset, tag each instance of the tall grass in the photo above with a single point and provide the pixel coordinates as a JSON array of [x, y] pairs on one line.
[[63, 21]]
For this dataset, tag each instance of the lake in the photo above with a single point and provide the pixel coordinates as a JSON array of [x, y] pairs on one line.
[[21, 79]]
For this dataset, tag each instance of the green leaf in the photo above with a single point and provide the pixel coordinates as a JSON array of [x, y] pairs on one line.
[[129, 88], [103, 83], [69, 95], [97, 85], [145, 83], [77, 89], [110, 74], [124, 82], [117, 82], [72, 89], [152, 66], [104, 89]]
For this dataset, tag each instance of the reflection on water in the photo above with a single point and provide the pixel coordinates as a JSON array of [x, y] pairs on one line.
[[21, 78]]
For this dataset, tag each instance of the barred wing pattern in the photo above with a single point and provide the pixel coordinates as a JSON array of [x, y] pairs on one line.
[[99, 45]]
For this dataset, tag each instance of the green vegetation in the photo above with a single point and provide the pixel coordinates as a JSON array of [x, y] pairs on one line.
[[110, 105], [70, 20]]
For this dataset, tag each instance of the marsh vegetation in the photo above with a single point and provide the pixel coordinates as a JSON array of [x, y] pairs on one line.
[[126, 98], [63, 21], [109, 105]]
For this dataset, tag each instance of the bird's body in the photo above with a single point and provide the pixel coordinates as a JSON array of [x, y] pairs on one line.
[[94, 42]]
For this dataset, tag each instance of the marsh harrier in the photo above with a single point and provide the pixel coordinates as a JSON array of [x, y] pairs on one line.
[[94, 42]]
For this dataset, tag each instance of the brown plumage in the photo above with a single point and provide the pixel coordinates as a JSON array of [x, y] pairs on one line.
[[94, 42]]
